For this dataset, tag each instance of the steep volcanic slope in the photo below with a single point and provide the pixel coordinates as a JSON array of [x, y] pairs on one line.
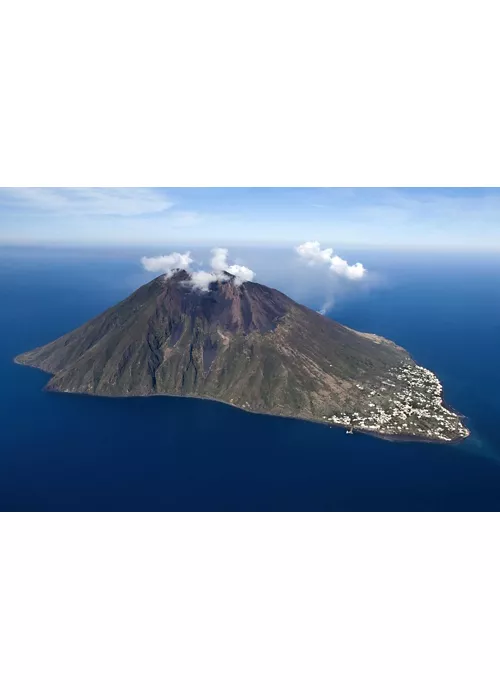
[[250, 346]]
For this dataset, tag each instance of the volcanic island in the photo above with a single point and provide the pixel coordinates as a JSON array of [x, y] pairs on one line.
[[250, 346]]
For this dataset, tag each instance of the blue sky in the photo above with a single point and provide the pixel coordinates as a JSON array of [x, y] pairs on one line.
[[162, 217]]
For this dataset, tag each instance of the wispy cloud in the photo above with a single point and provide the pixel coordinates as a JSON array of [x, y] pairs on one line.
[[185, 219], [90, 201], [354, 217]]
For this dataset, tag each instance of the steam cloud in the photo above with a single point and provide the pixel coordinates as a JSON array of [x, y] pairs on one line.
[[314, 254], [327, 306], [200, 279], [219, 264], [167, 263]]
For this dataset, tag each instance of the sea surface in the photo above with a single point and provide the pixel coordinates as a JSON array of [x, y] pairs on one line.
[[65, 452]]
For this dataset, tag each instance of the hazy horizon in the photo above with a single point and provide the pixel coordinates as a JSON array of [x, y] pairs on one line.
[[434, 219]]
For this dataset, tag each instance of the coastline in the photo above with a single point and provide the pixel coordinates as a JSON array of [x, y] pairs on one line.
[[372, 433]]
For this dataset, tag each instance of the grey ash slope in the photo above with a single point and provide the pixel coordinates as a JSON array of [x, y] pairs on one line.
[[250, 346]]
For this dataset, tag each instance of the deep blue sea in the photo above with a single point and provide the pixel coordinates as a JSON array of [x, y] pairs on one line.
[[63, 452]]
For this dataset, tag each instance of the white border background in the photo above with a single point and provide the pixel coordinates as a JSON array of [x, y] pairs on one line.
[[267, 93], [253, 606]]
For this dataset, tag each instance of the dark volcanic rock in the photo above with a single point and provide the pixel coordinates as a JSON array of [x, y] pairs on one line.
[[246, 344]]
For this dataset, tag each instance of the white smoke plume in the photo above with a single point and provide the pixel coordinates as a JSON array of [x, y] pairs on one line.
[[167, 263], [327, 306], [314, 255], [200, 279], [220, 264]]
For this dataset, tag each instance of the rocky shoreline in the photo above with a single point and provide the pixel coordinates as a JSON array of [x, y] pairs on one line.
[[391, 437]]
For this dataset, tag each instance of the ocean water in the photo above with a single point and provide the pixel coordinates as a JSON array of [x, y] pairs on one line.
[[64, 452]]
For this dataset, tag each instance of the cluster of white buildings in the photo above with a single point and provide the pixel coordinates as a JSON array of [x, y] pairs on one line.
[[407, 402]]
